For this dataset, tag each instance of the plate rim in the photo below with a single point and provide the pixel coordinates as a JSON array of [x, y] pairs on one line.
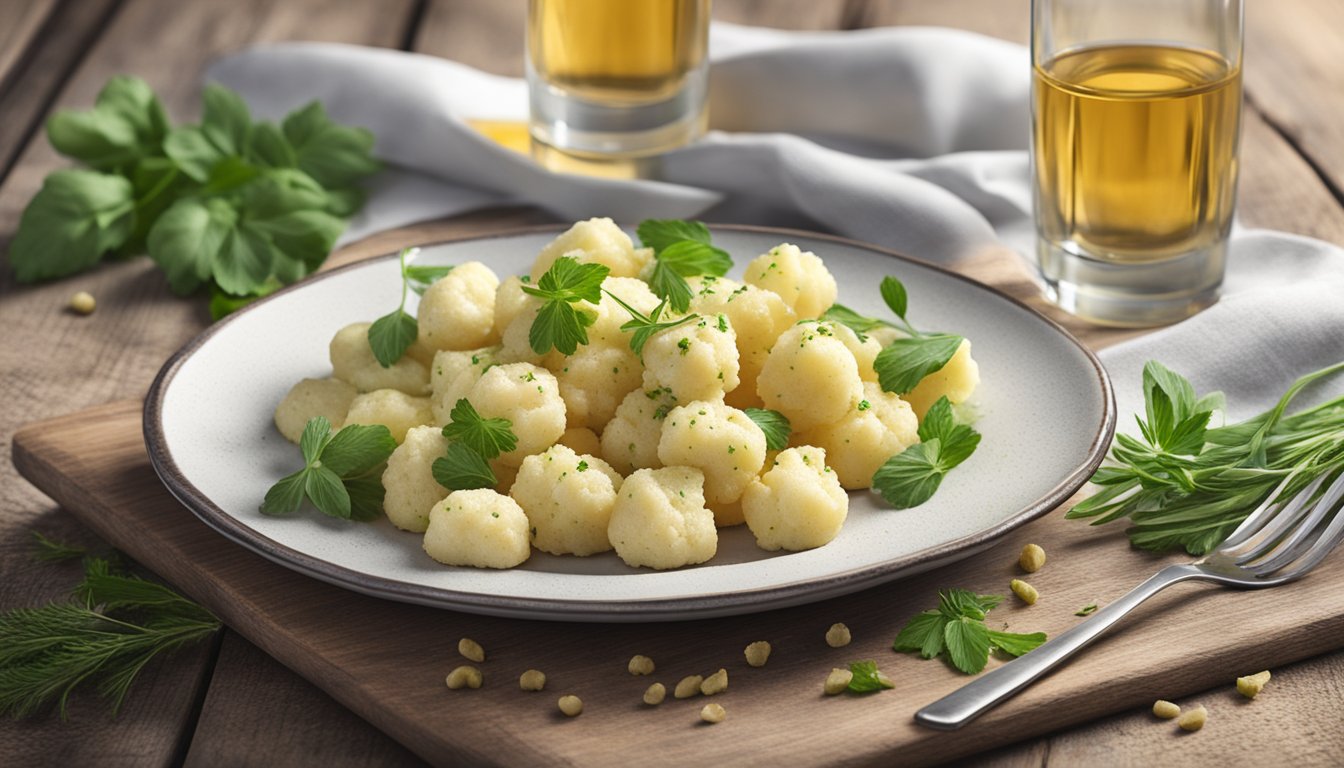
[[651, 609]]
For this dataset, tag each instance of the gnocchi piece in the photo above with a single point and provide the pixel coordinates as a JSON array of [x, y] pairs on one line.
[[452, 375], [581, 440], [630, 440], [595, 241], [758, 318], [798, 276], [660, 519], [515, 341], [411, 490], [568, 499], [593, 381], [719, 440], [529, 398], [810, 377], [880, 426], [309, 398], [798, 504], [696, 361], [480, 528], [957, 380], [392, 408], [352, 361], [458, 310]]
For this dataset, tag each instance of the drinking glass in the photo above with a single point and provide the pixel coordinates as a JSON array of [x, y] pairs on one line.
[[615, 83], [1135, 125]]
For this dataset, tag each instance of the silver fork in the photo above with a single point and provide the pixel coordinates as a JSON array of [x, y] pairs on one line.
[[1277, 543]]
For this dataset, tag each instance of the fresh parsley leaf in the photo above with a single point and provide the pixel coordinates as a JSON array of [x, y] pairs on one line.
[[421, 277], [463, 469], [957, 631], [487, 437], [681, 249], [70, 223], [1015, 644], [912, 476], [559, 324], [860, 325], [924, 633], [774, 424], [642, 327], [903, 363], [1086, 610], [967, 644], [127, 123], [333, 154], [337, 469], [867, 678], [394, 333], [893, 293]]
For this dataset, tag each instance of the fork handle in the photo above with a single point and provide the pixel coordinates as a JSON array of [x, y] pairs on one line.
[[973, 699]]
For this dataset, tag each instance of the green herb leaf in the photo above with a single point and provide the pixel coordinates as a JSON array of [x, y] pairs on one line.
[[187, 237], [860, 325], [1086, 610], [642, 327], [670, 286], [358, 448], [391, 335], [333, 154], [55, 551], [1015, 644], [902, 364], [462, 469], [487, 437], [559, 324], [339, 471], [957, 441], [70, 223], [286, 496], [681, 249], [316, 435], [324, 488], [126, 124], [867, 678], [893, 293], [366, 495], [421, 277], [967, 644], [774, 424], [911, 477], [924, 633], [661, 233]]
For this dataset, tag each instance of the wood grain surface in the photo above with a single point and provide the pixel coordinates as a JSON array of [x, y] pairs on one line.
[[387, 661], [57, 53]]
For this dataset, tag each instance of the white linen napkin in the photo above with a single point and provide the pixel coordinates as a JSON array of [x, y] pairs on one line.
[[913, 138]]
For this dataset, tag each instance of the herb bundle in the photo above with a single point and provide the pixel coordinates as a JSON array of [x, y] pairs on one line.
[[112, 627], [241, 206], [1185, 485]]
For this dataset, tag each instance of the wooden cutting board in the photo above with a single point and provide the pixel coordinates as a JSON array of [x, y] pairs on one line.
[[387, 661]]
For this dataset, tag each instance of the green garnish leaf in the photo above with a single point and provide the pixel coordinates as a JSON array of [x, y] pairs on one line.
[[55, 551], [957, 631], [335, 468], [893, 293], [867, 678], [394, 333], [912, 476], [1086, 610], [334, 155], [559, 324], [421, 277], [463, 469], [859, 324], [903, 363], [1185, 485], [487, 437], [681, 249], [112, 627], [774, 424], [642, 327], [70, 223]]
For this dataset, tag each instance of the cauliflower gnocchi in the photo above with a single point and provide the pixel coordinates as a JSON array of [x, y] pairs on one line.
[[309, 398], [798, 504], [647, 453], [481, 529], [660, 519], [723, 443], [352, 361], [458, 310], [568, 499]]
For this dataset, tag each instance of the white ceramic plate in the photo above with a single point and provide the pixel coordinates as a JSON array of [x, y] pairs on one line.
[[1047, 416]]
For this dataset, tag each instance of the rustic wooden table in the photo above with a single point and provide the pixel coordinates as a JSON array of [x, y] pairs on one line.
[[227, 703]]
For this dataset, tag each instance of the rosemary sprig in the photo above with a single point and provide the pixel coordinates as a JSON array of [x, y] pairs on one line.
[[1182, 484], [112, 626]]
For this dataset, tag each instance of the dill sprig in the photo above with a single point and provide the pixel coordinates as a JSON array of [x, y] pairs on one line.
[[1184, 484], [113, 625]]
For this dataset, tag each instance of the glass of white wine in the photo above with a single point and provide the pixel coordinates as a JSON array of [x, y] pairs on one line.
[[1135, 125], [613, 84]]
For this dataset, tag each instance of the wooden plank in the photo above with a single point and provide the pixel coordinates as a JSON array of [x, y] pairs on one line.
[[1292, 75], [259, 713], [387, 660], [40, 44], [56, 361]]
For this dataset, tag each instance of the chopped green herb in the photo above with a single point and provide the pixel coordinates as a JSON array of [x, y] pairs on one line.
[[867, 678], [1086, 610]]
